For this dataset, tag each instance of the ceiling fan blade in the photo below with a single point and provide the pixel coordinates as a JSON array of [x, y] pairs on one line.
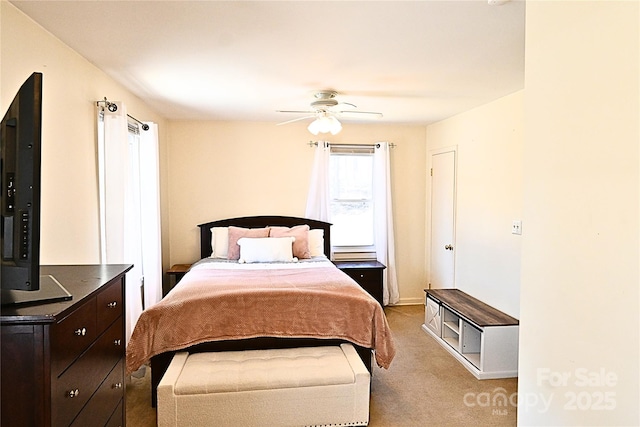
[[370, 113], [296, 111], [345, 105], [295, 120]]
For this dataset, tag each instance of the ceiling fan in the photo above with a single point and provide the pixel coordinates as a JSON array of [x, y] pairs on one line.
[[325, 109]]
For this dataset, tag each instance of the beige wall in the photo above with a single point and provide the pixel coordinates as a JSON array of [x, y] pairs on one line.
[[225, 169], [209, 170], [489, 144], [71, 85], [580, 252]]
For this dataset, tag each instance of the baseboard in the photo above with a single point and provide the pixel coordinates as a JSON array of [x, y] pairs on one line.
[[410, 301]]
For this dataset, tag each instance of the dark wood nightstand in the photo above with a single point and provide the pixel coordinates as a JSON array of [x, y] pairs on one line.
[[177, 271], [368, 274]]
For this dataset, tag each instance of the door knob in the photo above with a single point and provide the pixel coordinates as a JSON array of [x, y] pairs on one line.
[[449, 247]]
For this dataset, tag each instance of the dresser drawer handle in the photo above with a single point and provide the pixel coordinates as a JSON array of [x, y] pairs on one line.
[[73, 393], [117, 342], [81, 332], [112, 304], [117, 385]]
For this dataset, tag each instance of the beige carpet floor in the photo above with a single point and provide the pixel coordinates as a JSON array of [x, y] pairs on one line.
[[425, 386]]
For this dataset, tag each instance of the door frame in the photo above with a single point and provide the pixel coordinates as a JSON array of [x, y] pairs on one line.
[[428, 237]]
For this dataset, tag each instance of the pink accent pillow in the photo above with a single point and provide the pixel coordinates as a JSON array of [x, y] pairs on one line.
[[301, 244], [236, 233]]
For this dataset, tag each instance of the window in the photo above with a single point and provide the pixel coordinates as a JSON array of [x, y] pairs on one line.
[[351, 202], [351, 188]]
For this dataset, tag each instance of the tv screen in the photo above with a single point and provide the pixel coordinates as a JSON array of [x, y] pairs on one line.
[[20, 139]]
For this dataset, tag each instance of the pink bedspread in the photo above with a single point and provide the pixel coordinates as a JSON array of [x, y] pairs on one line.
[[213, 304]]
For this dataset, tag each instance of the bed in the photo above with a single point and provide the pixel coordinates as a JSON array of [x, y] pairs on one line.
[[256, 303]]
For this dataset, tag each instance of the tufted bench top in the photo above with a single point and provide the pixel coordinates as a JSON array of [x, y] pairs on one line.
[[227, 371]]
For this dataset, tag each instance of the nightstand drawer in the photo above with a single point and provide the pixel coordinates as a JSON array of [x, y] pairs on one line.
[[368, 274], [365, 276]]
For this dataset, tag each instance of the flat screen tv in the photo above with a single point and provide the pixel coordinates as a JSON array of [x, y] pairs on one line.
[[20, 142]]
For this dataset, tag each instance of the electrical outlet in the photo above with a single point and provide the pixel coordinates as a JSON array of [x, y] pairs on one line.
[[516, 227]]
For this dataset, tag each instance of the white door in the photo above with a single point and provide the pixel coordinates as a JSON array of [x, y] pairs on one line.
[[443, 182]]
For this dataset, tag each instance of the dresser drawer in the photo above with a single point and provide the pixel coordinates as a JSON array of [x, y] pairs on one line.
[[105, 401], [73, 389], [109, 303], [117, 417], [72, 335]]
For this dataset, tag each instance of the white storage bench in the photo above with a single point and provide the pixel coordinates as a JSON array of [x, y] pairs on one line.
[[307, 386], [482, 338]]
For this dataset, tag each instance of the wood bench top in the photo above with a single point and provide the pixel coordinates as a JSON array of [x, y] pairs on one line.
[[471, 308]]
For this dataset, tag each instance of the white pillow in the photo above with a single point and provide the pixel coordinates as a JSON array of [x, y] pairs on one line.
[[266, 249], [219, 242], [316, 242]]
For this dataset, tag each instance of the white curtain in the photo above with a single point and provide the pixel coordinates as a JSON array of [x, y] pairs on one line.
[[383, 220], [150, 213], [113, 160], [318, 196], [129, 208]]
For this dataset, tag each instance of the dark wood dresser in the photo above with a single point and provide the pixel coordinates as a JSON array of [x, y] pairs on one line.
[[63, 363]]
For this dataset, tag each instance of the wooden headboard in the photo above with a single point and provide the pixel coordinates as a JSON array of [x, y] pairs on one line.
[[259, 222]]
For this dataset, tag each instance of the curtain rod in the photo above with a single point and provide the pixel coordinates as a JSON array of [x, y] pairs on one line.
[[113, 108], [315, 144]]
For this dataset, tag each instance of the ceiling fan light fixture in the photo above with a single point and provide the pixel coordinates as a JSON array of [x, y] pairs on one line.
[[324, 111], [325, 124]]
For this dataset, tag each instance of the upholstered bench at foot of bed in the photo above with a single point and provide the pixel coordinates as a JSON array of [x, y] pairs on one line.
[[310, 386]]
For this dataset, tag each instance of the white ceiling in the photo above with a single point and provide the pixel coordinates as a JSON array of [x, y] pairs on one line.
[[416, 62]]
